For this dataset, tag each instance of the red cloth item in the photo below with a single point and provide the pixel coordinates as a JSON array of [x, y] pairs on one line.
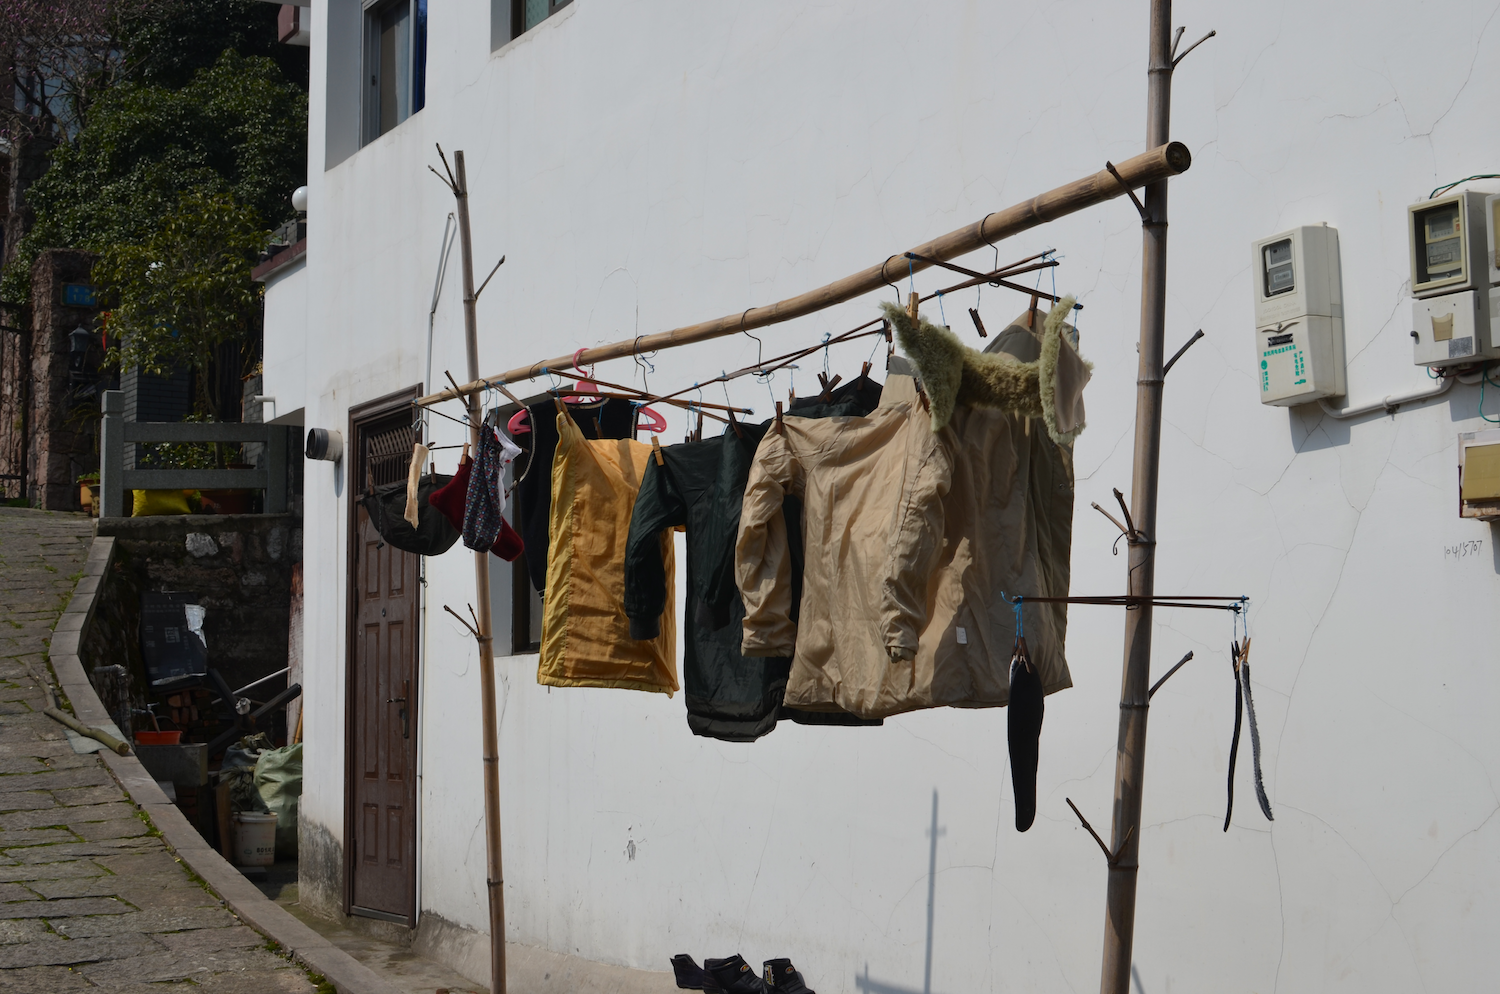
[[449, 500], [508, 544]]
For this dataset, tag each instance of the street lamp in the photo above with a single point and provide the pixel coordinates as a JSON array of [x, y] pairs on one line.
[[79, 340]]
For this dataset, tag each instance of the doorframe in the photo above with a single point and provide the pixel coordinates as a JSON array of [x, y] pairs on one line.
[[377, 409]]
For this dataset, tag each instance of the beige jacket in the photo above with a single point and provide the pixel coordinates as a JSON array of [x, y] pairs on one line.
[[911, 535]]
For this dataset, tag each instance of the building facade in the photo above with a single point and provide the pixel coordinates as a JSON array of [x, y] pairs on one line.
[[643, 167]]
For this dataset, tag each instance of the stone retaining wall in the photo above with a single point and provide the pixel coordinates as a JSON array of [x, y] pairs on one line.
[[238, 566]]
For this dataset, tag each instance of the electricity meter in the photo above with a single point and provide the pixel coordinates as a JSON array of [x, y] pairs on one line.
[[1299, 316], [1447, 243], [1452, 247]]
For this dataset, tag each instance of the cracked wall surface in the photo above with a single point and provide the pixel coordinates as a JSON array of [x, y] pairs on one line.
[[646, 166]]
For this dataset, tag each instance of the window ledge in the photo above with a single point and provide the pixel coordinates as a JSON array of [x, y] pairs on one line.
[[279, 261], [551, 22]]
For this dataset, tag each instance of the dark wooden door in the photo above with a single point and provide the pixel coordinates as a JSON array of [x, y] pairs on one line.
[[382, 706]]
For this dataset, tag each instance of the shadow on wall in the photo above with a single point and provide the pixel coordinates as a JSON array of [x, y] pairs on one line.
[[1310, 429], [863, 982]]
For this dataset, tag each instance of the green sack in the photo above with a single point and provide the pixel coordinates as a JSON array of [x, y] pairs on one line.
[[278, 778]]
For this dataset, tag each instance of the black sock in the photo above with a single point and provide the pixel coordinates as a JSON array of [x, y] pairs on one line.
[[1024, 731]]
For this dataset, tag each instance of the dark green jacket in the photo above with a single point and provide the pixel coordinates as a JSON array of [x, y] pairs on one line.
[[702, 486]]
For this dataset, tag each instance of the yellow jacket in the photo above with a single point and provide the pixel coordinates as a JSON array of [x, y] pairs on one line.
[[585, 634]]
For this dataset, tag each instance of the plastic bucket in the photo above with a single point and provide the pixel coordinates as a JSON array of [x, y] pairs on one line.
[[254, 838], [158, 738]]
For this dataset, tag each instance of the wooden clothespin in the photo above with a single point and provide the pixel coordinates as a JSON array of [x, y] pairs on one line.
[[911, 307], [978, 324], [780, 428], [656, 452], [698, 432], [827, 395], [1031, 312], [465, 456], [734, 424]]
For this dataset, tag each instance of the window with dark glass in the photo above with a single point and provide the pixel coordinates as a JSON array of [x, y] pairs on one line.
[[527, 14], [395, 64]]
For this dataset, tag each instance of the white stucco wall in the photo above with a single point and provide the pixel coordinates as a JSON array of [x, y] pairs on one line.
[[284, 364], [645, 166]]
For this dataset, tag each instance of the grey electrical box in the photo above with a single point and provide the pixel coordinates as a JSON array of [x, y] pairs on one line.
[[1450, 245], [1299, 316], [1446, 239]]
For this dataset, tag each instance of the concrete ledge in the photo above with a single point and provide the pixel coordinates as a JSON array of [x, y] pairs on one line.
[[171, 526], [242, 897], [530, 969]]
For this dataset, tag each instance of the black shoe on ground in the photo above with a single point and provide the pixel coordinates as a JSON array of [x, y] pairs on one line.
[[734, 976], [783, 978], [690, 976]]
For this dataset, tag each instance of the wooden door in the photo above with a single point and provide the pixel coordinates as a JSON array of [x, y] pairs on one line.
[[383, 697]]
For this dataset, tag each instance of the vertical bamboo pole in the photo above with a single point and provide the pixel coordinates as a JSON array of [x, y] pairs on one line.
[[494, 872], [1130, 757]]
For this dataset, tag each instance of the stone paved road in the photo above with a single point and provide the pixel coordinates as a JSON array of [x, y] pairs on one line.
[[90, 900]]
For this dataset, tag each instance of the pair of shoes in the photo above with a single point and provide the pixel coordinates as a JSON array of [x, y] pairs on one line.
[[782, 977], [690, 976], [734, 976]]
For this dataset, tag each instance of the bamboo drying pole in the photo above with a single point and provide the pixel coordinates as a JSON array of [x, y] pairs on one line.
[[1130, 757], [484, 636], [1149, 169], [1155, 166]]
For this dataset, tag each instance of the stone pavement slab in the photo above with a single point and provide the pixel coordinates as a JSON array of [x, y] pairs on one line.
[[89, 899]]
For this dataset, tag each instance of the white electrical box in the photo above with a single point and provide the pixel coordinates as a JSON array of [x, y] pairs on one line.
[[1299, 316], [1456, 328], [1447, 240]]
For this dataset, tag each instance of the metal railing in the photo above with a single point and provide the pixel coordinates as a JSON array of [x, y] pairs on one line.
[[114, 479]]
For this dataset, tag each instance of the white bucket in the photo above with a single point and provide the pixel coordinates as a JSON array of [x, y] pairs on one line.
[[254, 838]]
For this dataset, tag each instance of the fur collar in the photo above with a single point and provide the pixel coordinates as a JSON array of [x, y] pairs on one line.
[[954, 374]]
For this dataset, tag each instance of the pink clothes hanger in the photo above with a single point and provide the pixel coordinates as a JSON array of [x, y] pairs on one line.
[[586, 391]]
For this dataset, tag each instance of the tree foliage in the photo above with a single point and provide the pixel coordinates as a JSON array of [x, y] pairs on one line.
[[239, 128], [169, 43], [184, 290], [177, 131], [59, 55], [56, 55]]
